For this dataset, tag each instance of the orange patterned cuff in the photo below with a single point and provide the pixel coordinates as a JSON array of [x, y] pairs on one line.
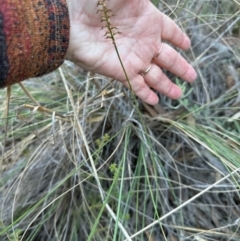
[[34, 37]]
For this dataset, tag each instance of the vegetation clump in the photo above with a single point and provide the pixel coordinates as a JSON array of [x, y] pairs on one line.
[[78, 163]]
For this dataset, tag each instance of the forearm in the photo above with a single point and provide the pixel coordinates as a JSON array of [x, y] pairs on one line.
[[34, 37]]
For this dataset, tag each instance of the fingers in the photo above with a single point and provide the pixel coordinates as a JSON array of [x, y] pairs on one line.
[[161, 83], [172, 61], [142, 90], [173, 34], [169, 59], [157, 80]]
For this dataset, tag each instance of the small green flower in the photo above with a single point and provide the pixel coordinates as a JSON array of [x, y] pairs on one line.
[[113, 168]]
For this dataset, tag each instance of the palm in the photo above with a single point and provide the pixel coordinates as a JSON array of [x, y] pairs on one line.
[[141, 28]]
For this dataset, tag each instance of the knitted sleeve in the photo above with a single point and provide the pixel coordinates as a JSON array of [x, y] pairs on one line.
[[34, 36]]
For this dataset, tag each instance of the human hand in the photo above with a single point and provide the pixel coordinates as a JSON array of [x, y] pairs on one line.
[[142, 27]]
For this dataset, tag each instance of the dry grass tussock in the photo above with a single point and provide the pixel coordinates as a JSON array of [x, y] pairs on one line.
[[87, 165]]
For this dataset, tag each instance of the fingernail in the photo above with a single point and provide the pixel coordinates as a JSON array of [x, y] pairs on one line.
[[187, 43], [192, 74]]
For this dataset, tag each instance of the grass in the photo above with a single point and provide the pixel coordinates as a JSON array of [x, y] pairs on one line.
[[88, 167]]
